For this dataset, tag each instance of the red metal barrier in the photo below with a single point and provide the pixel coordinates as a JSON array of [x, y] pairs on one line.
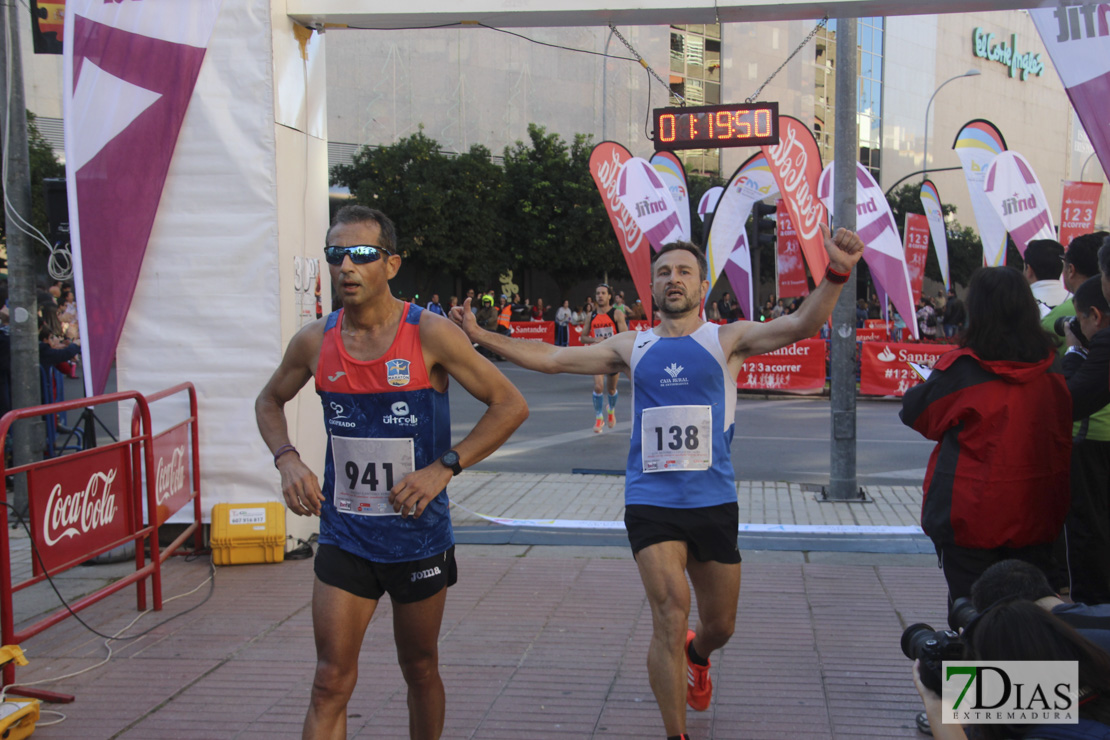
[[80, 505], [175, 483]]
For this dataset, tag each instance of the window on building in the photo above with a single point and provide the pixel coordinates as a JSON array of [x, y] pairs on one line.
[[696, 78], [869, 91]]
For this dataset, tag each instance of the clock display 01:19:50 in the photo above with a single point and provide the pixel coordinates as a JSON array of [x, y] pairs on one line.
[[712, 126]]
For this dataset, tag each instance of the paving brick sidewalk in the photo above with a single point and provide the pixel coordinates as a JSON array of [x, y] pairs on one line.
[[536, 643]]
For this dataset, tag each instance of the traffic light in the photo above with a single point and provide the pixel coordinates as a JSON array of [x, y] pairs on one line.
[[763, 228]]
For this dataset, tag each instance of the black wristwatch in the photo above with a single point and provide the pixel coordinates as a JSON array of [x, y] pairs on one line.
[[450, 459]]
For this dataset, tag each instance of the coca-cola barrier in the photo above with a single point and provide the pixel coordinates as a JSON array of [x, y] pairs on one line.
[[87, 503]]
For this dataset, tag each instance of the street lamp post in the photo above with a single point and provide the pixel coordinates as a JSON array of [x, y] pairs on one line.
[[1086, 161], [925, 160]]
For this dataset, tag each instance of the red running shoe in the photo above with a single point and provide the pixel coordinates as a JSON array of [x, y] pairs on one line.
[[699, 686]]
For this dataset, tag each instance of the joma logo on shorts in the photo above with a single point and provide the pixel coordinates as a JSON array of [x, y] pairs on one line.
[[420, 576]]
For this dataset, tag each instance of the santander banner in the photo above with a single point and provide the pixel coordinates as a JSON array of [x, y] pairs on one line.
[[977, 144], [536, 331], [129, 73], [80, 504], [1077, 38], [882, 247], [796, 165], [930, 201], [798, 368], [790, 272], [1077, 214], [1016, 195], [673, 174], [605, 165], [885, 369], [728, 247], [916, 245]]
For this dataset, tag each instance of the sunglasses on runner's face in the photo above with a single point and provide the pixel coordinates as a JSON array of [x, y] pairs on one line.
[[360, 254]]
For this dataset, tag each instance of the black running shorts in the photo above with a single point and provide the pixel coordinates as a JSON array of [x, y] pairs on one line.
[[413, 580], [710, 532]]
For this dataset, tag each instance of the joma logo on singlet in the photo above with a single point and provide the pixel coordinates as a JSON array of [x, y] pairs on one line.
[[421, 575]]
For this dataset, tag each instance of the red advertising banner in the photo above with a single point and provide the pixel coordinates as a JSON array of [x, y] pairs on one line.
[[605, 167], [536, 331], [885, 366], [799, 368], [1077, 215], [80, 504], [796, 164], [916, 245], [872, 334], [173, 471], [790, 269], [877, 324]]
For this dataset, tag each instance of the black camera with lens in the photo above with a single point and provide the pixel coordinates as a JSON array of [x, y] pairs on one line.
[[1072, 323], [933, 647]]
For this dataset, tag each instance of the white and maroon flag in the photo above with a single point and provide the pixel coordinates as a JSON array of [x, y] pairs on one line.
[[882, 245], [129, 73], [673, 174], [1016, 196], [930, 201], [648, 201], [708, 203], [1078, 41]]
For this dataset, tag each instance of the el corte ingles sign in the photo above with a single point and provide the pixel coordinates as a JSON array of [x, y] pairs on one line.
[[1006, 53]]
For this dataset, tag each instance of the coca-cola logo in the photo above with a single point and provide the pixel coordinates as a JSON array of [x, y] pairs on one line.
[[169, 475], [608, 175], [790, 160], [80, 512]]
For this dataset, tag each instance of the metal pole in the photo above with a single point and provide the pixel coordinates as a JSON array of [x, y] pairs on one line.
[[925, 159], [842, 390], [27, 436]]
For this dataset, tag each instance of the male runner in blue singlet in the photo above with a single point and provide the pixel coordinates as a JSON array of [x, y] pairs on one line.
[[681, 511], [381, 367]]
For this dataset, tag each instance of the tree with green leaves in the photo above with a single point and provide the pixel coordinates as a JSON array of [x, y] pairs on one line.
[[556, 220], [447, 210], [44, 163]]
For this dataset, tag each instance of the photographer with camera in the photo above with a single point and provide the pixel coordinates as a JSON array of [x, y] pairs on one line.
[[1016, 630], [1015, 579]]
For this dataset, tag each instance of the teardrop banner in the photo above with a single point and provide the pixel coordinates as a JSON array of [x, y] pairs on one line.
[[727, 247], [648, 201], [790, 270], [930, 201], [606, 160], [916, 246], [796, 165], [130, 71], [1080, 52], [673, 174], [882, 246], [977, 144], [1015, 193], [708, 203]]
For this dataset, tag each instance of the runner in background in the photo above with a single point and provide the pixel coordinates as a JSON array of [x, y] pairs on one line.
[[605, 322]]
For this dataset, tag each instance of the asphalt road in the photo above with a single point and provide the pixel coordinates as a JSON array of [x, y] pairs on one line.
[[782, 438]]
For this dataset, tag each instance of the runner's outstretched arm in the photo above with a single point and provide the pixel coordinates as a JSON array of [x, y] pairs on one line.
[[753, 338], [506, 410], [597, 359]]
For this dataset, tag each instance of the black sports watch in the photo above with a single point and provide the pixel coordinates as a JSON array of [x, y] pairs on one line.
[[450, 459]]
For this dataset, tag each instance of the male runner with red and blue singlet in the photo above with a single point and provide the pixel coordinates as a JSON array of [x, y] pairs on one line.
[[605, 322], [381, 367]]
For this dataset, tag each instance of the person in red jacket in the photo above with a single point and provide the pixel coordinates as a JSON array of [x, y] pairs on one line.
[[997, 484]]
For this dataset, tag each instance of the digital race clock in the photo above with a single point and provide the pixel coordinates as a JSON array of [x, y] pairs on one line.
[[713, 126]]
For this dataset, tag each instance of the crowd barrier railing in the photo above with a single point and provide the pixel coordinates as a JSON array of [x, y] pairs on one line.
[[87, 503]]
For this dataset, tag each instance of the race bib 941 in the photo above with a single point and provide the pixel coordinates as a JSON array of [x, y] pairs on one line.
[[676, 438], [365, 469]]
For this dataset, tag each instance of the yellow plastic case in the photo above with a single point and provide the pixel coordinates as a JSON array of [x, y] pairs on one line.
[[248, 533]]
